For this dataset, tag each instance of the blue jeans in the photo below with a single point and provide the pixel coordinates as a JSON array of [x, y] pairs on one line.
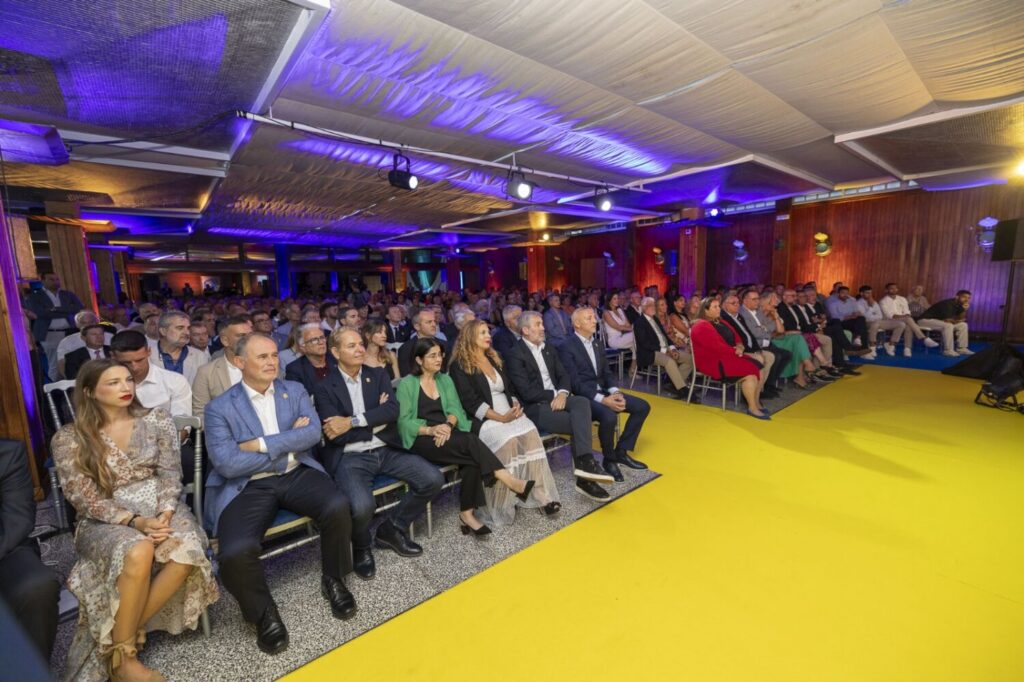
[[354, 473]]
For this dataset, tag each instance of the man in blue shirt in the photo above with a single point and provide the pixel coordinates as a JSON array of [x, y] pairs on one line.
[[842, 307]]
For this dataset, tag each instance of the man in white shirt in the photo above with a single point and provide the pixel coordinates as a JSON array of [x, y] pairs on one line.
[[73, 342], [895, 307], [173, 351], [154, 385], [875, 318]]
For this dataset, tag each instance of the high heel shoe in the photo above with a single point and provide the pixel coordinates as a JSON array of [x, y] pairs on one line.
[[525, 495], [478, 532]]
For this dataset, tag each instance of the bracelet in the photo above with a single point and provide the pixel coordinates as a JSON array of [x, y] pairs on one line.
[[131, 521]]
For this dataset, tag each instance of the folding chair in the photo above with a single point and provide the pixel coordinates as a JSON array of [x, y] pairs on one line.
[[63, 391], [709, 383]]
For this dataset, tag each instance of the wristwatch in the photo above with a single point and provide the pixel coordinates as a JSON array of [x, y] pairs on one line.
[[356, 422]]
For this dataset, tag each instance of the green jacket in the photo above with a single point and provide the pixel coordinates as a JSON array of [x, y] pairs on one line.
[[409, 422]]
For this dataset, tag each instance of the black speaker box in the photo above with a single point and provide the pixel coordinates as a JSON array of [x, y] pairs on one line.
[[1009, 240]]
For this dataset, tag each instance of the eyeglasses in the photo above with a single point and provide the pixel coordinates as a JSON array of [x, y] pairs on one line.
[[317, 339]]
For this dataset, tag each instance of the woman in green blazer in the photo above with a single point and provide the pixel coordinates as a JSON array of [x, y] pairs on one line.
[[433, 424]]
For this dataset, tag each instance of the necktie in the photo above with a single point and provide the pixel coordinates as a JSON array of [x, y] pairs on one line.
[[98, 355]]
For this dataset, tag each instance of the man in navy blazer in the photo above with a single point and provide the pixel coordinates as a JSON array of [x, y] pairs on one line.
[[582, 353], [503, 338], [259, 435], [360, 417], [53, 316]]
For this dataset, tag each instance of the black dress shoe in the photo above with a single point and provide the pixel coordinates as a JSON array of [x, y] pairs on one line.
[[612, 467], [622, 457], [587, 467], [695, 400], [343, 604], [849, 371], [390, 536], [591, 490], [363, 564], [271, 634]]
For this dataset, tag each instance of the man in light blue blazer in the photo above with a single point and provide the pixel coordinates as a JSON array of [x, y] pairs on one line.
[[259, 436]]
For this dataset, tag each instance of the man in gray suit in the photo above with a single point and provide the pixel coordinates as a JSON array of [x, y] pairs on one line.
[[220, 374], [54, 310], [260, 434]]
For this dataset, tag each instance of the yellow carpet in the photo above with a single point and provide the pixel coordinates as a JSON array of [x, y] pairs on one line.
[[873, 531]]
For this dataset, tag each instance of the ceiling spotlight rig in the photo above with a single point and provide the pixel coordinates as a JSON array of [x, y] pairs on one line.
[[402, 179], [602, 200], [518, 187]]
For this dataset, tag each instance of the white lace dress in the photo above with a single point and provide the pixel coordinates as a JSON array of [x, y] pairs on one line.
[[616, 339], [518, 446]]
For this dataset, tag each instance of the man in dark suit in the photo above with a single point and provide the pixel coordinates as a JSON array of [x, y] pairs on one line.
[[544, 387], [398, 330], [360, 416], [425, 325], [634, 311], [505, 337], [583, 355], [315, 363], [29, 588], [54, 316], [93, 336], [654, 348], [259, 435], [772, 359]]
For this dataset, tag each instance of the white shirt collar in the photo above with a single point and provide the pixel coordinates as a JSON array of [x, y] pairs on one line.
[[254, 394], [348, 378], [584, 339], [534, 346]]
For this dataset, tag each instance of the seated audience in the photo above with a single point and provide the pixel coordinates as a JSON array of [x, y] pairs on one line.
[[618, 328], [360, 416], [142, 562], [634, 311], [220, 374], [796, 320], [259, 435], [917, 302], [291, 315], [329, 317], [718, 358], [590, 376], [73, 342], [557, 323], [155, 387], [262, 323], [833, 328], [27, 587], [872, 313], [763, 321], [172, 351], [679, 324], [377, 353], [199, 338], [350, 319], [424, 324], [542, 384], [771, 359], [398, 328], [433, 424], [949, 317], [843, 308], [92, 336], [151, 328], [653, 347], [506, 336], [895, 307], [292, 350], [498, 419], [315, 363]]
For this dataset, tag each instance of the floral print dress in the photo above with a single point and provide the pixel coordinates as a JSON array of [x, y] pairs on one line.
[[147, 482]]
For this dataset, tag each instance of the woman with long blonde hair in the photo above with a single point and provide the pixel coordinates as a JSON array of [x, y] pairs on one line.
[[498, 419], [142, 562]]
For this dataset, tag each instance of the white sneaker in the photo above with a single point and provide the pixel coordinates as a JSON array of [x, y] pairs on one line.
[[965, 351], [950, 353], [907, 352], [928, 343], [870, 356], [890, 349], [856, 341]]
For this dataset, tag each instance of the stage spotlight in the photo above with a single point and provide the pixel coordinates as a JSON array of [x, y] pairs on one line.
[[402, 179], [603, 201], [546, 237], [519, 187], [714, 212]]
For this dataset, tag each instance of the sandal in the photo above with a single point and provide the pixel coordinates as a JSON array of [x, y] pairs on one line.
[[552, 508]]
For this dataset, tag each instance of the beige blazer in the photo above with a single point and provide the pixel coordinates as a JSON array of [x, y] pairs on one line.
[[212, 379]]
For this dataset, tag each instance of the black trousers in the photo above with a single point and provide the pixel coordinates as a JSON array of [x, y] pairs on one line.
[[858, 326], [243, 522], [355, 471], [607, 418], [31, 591], [476, 463], [575, 419], [840, 344], [782, 358]]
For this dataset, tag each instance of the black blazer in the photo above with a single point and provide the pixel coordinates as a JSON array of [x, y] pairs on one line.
[[647, 343], [40, 304], [745, 337], [502, 339], [74, 360], [404, 332], [405, 359], [524, 373], [17, 507], [302, 371], [793, 320], [332, 400], [474, 391], [632, 314], [585, 381]]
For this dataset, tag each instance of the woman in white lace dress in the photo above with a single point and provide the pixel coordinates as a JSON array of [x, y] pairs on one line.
[[620, 331], [142, 562], [498, 419]]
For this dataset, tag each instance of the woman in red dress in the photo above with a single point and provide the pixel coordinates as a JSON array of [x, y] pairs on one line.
[[719, 359]]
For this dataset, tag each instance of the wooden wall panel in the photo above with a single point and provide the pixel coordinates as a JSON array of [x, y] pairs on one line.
[[573, 251], [756, 231], [693, 259], [648, 273], [68, 254], [911, 238]]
